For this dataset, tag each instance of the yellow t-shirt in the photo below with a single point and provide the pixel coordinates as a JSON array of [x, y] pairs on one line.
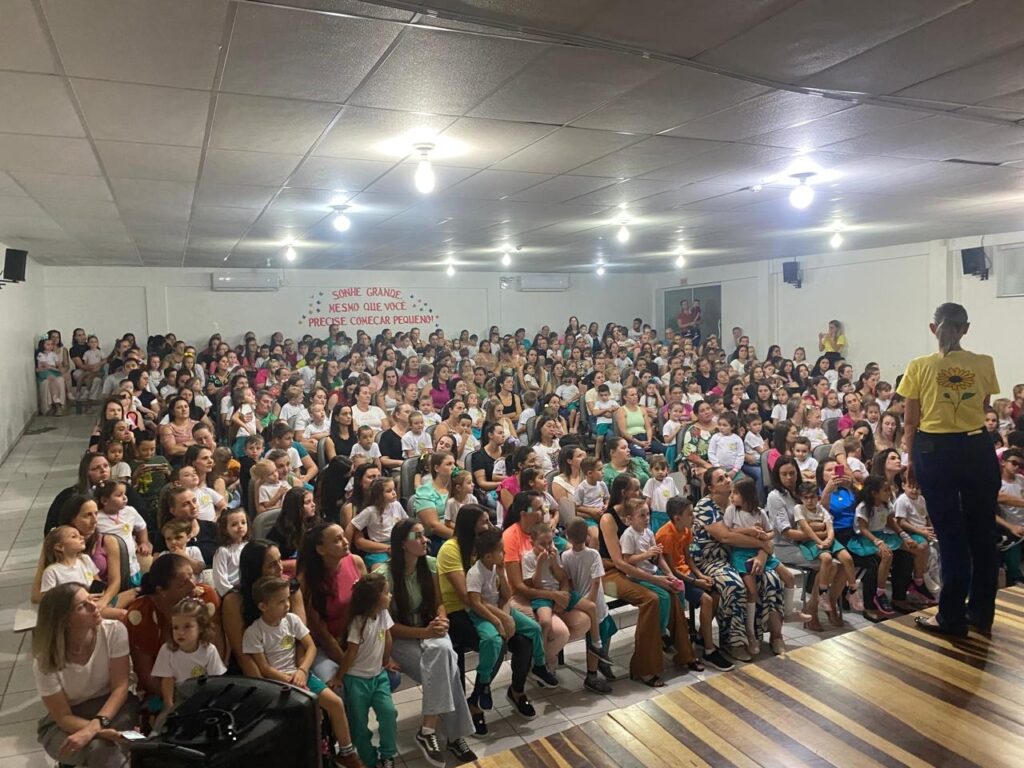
[[828, 346], [951, 389], [449, 558]]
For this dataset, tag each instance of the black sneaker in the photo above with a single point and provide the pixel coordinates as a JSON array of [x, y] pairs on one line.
[[667, 645], [594, 683], [386, 762], [479, 724], [606, 671], [598, 651], [717, 660], [431, 749], [543, 676], [461, 750], [482, 697], [522, 705]]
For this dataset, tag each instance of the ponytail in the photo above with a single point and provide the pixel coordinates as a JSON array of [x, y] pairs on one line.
[[950, 325]]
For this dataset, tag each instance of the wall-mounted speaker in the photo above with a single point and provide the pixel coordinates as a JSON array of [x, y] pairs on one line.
[[14, 265], [791, 273], [974, 262]]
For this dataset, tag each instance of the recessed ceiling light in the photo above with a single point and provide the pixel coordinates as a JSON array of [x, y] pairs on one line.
[[802, 194], [836, 240], [623, 234], [450, 270], [424, 177], [341, 222], [506, 259], [290, 253], [600, 270], [680, 261]]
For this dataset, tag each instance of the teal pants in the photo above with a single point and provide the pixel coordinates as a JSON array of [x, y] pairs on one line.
[[490, 643], [1011, 559], [665, 598], [361, 694]]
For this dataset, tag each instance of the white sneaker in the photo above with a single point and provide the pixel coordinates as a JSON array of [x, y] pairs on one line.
[[753, 646]]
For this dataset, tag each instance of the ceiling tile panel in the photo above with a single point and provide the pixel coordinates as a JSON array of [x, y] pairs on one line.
[[46, 154], [149, 161], [280, 52], [233, 196], [477, 143], [266, 169], [728, 158], [23, 45], [162, 42], [53, 186], [152, 192], [443, 72], [560, 189], [263, 124], [81, 208], [9, 187], [565, 149], [647, 156], [379, 134], [338, 173], [143, 113], [493, 185], [838, 126], [625, 192], [997, 76], [772, 111], [566, 83], [37, 104]]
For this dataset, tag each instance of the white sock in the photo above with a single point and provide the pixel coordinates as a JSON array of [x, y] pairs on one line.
[[790, 598], [751, 616]]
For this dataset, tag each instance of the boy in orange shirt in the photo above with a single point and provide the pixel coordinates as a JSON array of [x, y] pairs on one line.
[[675, 538]]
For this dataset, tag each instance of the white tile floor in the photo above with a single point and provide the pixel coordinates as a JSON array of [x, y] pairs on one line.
[[43, 464]]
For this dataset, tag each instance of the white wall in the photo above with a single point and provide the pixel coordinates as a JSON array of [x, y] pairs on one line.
[[21, 323], [884, 297], [110, 301]]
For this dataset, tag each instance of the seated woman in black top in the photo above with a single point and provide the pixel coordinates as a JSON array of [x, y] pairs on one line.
[[181, 503], [298, 515]]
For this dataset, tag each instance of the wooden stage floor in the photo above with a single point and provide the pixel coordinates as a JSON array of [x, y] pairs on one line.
[[887, 695]]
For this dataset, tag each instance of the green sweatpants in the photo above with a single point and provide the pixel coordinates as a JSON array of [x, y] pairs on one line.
[[490, 642], [361, 694]]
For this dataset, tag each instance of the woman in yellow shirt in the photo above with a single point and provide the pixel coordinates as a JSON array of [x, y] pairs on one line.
[[832, 343], [953, 463]]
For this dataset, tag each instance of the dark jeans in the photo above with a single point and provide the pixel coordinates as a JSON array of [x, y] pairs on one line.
[[959, 477], [465, 638], [901, 572], [656, 446]]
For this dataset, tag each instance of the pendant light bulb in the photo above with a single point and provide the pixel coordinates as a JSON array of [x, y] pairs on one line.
[[623, 234], [802, 195], [680, 261], [506, 259], [600, 270], [450, 270], [836, 240], [290, 253], [424, 178], [342, 223]]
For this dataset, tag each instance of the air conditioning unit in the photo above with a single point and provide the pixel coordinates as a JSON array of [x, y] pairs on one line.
[[237, 280], [533, 283]]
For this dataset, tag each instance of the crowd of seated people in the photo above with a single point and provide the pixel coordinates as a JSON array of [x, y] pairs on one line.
[[337, 513]]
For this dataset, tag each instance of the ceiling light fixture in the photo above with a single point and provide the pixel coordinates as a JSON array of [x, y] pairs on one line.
[[802, 194], [290, 253], [600, 270], [342, 223], [623, 234], [506, 259], [836, 240], [450, 270], [680, 261], [424, 178]]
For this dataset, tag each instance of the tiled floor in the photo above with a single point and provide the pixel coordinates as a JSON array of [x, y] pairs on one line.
[[43, 464]]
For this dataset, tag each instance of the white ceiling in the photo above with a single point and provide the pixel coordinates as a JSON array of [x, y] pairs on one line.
[[181, 132]]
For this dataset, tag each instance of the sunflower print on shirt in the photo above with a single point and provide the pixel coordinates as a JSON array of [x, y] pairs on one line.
[[956, 383]]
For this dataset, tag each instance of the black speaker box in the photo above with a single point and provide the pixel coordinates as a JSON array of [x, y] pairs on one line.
[[235, 722], [791, 272], [973, 261], [14, 265]]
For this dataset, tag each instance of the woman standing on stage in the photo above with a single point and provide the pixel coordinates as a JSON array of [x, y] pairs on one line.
[[953, 463]]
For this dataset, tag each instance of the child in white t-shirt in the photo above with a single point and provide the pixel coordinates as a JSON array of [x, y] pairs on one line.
[[802, 453], [780, 410], [65, 561], [640, 550], [233, 531], [374, 522], [189, 651], [585, 571], [294, 411], [270, 486], [117, 518], [416, 441], [280, 646], [658, 490], [911, 518], [726, 449], [365, 450], [812, 428], [317, 428]]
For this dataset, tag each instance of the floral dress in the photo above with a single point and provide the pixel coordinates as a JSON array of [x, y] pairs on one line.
[[712, 557]]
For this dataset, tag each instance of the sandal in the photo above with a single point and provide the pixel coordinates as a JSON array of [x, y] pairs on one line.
[[813, 625], [695, 666], [835, 616]]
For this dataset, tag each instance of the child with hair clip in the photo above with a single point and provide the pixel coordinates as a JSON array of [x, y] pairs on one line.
[[119, 468], [910, 520], [639, 548], [317, 428], [189, 651], [374, 522], [282, 648], [176, 533], [874, 538], [460, 493], [233, 533], [542, 569], [118, 519], [816, 524], [744, 515], [365, 667], [659, 490], [65, 561]]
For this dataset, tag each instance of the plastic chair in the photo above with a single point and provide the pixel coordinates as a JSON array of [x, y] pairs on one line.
[[821, 453], [531, 430], [831, 427], [321, 452], [550, 478], [407, 479], [766, 474]]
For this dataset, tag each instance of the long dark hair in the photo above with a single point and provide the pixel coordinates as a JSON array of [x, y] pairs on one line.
[[358, 497], [290, 523], [784, 461], [250, 569], [70, 511], [365, 596], [330, 487], [428, 606], [867, 445], [520, 504], [313, 570], [83, 486], [618, 489], [465, 531]]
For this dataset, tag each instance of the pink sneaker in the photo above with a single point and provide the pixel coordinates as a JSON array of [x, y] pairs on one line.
[[856, 601]]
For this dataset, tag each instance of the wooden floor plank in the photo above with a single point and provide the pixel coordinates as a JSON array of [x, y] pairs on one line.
[[889, 695]]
